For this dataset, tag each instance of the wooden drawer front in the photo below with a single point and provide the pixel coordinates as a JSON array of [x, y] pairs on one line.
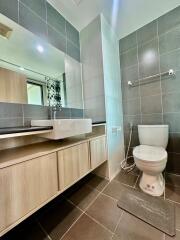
[[73, 163], [98, 151], [25, 186]]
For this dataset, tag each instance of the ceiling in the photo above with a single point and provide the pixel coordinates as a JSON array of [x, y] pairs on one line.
[[125, 16]]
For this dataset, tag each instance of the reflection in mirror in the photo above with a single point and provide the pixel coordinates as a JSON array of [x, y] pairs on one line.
[[34, 72]]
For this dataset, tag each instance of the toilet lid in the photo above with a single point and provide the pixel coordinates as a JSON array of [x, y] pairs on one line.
[[150, 153]]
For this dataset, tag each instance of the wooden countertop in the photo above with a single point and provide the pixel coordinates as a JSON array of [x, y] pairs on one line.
[[17, 155]]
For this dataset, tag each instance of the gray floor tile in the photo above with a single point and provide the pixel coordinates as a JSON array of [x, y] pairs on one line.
[[83, 197], [172, 193], [105, 211], [113, 189], [86, 228], [126, 178], [57, 220], [97, 182]]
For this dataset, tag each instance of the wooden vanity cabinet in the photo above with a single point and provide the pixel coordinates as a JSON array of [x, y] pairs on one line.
[[98, 151], [73, 163], [25, 186]]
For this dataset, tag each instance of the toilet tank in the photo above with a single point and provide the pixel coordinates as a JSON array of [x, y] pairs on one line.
[[153, 135]]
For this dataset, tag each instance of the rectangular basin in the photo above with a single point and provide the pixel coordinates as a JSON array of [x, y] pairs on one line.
[[63, 128]]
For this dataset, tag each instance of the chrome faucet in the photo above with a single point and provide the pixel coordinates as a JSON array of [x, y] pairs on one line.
[[53, 112]]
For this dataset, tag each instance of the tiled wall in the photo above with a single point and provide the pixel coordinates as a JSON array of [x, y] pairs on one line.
[[93, 76], [39, 17], [151, 50], [14, 115]]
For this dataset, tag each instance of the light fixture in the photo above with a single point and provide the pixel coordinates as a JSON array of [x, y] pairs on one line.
[[40, 48], [77, 2]]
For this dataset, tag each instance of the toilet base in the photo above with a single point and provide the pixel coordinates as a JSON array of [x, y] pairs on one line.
[[152, 184]]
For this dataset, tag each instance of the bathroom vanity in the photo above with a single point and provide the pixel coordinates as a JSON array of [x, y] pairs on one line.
[[33, 175]]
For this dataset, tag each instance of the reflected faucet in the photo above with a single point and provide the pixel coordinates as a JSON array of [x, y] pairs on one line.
[[53, 112]]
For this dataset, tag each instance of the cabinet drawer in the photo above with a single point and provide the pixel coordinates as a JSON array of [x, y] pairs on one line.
[[73, 163], [98, 151], [25, 186]]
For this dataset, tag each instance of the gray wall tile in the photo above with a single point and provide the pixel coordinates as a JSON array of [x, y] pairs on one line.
[[9, 8], [128, 42], [63, 113], [173, 120], [169, 41], [151, 88], [11, 122], [152, 119], [73, 51], [170, 84], [151, 104], [131, 107], [170, 61], [129, 92], [77, 113], [169, 21], [130, 74], [56, 39], [32, 22], [37, 6], [129, 58], [72, 34], [171, 102], [134, 140], [36, 16], [35, 112], [55, 19], [148, 59], [131, 119], [10, 110], [147, 33]]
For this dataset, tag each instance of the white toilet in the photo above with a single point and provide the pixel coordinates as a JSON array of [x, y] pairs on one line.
[[151, 157]]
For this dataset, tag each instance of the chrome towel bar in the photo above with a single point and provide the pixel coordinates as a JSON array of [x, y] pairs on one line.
[[170, 73]]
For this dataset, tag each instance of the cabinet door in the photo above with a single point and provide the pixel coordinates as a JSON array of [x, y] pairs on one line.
[[73, 163], [23, 187], [13, 86], [98, 151]]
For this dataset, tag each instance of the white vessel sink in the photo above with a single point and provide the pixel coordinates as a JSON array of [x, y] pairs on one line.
[[63, 128]]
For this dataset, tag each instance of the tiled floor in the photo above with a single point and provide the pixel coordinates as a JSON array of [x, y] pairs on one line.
[[88, 211]]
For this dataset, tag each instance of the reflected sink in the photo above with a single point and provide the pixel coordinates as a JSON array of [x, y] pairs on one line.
[[63, 128]]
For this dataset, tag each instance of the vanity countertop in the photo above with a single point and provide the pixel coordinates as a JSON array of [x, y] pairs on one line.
[[17, 155], [12, 132]]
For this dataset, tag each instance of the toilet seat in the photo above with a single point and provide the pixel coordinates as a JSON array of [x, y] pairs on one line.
[[150, 154]]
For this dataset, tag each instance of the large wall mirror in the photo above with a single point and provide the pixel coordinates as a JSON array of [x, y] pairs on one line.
[[34, 72]]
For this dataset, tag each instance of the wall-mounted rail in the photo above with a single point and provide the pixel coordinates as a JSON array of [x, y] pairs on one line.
[[153, 78]]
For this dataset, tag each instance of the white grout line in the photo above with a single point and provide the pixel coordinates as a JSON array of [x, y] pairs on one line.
[[139, 90], [137, 181], [84, 211], [118, 222], [98, 223], [159, 58]]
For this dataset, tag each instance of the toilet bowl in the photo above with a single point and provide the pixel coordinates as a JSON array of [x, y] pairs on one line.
[[151, 157]]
